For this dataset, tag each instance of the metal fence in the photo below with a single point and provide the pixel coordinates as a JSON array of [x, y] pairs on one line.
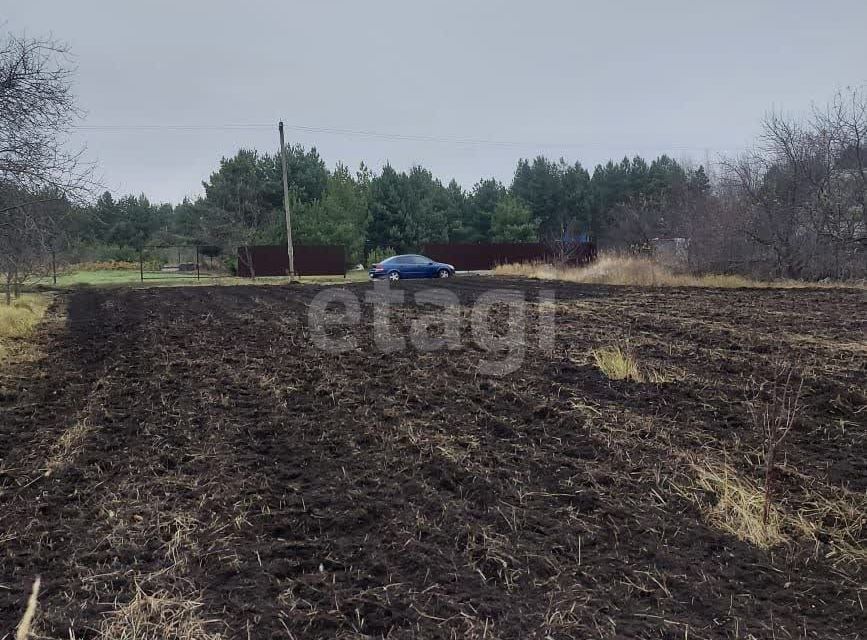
[[162, 262], [273, 260], [482, 257]]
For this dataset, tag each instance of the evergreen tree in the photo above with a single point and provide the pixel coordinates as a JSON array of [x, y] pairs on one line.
[[513, 222], [339, 218], [698, 183], [481, 204]]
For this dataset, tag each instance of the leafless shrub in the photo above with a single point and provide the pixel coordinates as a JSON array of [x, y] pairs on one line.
[[569, 246], [774, 409]]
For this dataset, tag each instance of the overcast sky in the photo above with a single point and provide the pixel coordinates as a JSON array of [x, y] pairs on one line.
[[463, 87]]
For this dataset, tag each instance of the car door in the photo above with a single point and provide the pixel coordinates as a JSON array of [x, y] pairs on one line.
[[427, 267], [413, 267], [422, 266], [405, 265]]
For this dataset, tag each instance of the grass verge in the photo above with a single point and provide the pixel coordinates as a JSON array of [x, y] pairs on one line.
[[132, 278], [17, 321]]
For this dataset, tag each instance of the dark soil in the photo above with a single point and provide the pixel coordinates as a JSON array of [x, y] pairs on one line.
[[224, 459]]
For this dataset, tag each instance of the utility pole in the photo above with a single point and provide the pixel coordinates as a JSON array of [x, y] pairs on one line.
[[289, 246]]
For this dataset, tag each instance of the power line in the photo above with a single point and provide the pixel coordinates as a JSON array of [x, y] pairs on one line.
[[381, 135]]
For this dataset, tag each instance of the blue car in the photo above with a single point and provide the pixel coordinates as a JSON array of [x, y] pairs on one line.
[[410, 266]]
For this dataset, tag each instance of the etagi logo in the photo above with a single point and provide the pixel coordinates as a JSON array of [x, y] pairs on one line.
[[502, 323]]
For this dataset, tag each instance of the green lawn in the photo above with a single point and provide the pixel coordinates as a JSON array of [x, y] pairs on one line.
[[131, 277]]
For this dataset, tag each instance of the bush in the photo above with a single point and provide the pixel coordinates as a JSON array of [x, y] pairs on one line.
[[379, 254]]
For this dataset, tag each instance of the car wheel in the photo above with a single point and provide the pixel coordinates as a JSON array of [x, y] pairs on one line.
[[394, 276], [445, 273]]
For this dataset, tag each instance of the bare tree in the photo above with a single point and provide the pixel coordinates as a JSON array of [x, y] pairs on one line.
[[803, 191], [37, 172], [29, 230], [774, 418], [37, 112]]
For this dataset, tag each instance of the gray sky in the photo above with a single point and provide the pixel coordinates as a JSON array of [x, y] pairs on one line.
[[469, 85]]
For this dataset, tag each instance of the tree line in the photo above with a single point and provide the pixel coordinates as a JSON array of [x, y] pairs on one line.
[[401, 210], [793, 206]]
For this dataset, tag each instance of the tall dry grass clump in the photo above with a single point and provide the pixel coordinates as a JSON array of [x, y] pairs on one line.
[[641, 271], [617, 363], [21, 317], [740, 508], [832, 519]]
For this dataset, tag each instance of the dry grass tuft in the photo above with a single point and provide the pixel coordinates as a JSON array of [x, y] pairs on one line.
[[21, 317], [67, 445], [617, 363], [157, 616], [835, 519], [23, 630], [840, 520], [740, 505], [617, 269]]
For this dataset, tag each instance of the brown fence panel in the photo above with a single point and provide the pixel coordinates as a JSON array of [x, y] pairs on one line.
[[267, 261], [479, 257], [272, 260], [322, 260]]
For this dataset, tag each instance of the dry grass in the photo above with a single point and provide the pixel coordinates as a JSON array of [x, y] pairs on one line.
[[24, 627], [740, 505], [21, 317], [841, 519], [157, 616], [617, 269], [68, 444], [63, 451], [618, 363], [104, 265], [834, 519]]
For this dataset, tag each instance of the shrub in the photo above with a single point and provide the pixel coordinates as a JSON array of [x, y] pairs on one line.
[[379, 254]]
